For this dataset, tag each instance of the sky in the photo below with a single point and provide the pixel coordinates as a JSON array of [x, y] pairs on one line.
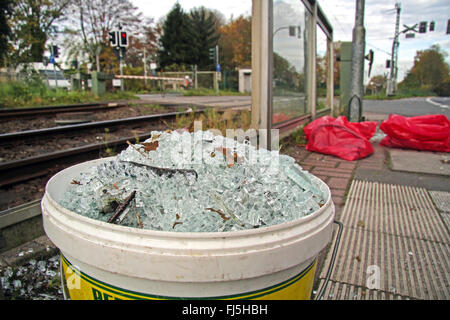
[[379, 23]]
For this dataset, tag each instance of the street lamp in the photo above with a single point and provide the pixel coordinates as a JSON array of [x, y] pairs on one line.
[[292, 31]]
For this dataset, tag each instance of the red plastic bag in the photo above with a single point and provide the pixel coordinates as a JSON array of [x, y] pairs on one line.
[[427, 133], [339, 137]]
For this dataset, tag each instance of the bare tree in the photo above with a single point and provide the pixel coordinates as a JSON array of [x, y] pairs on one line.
[[92, 20]]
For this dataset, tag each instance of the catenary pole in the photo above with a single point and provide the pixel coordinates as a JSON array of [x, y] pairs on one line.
[[357, 71], [391, 87]]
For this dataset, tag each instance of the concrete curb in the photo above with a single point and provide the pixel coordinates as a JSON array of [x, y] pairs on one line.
[[38, 248], [437, 103]]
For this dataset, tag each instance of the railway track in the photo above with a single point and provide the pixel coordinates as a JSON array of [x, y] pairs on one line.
[[8, 138], [37, 111], [19, 171]]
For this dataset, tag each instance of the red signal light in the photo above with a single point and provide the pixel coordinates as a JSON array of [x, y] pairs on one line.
[[123, 39]]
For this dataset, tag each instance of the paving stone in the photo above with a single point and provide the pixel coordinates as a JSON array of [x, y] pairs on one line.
[[331, 173], [419, 161], [441, 199], [338, 192], [338, 200], [319, 163], [347, 165], [338, 183]]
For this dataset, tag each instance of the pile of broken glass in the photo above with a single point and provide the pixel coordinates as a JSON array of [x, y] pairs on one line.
[[195, 182]]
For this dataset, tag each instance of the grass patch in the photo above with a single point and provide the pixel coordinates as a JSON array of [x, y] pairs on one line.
[[213, 119], [295, 138], [18, 94]]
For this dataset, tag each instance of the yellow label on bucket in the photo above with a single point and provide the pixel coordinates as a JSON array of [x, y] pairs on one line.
[[81, 286]]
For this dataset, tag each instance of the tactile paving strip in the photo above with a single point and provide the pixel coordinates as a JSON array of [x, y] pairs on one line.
[[344, 291], [397, 231]]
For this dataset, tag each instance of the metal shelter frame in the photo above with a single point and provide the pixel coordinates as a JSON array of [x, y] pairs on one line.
[[262, 69]]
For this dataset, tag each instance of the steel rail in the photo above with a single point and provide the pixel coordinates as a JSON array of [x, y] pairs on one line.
[[32, 134], [35, 111], [17, 171]]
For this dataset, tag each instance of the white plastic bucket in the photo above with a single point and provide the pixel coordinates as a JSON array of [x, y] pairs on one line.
[[108, 261]]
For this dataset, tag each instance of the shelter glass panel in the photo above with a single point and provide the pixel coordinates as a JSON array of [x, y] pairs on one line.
[[321, 68], [289, 59]]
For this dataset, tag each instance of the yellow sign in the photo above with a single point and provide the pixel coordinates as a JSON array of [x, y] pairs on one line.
[[81, 286]]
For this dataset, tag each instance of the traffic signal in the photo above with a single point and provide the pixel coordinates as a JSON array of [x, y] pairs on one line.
[[431, 26], [123, 39], [55, 51], [113, 38], [423, 27], [292, 31], [448, 26], [388, 64], [212, 54], [370, 57]]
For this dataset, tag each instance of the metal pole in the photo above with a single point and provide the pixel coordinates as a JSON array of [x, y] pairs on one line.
[[54, 68], [391, 87], [217, 73], [145, 67], [357, 75], [98, 50], [121, 69], [195, 78], [120, 58]]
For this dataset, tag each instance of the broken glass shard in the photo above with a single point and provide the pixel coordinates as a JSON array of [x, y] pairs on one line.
[[196, 182]]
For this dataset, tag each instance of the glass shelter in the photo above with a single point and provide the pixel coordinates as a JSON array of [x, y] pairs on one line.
[[292, 64]]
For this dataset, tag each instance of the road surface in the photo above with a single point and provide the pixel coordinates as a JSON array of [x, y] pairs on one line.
[[409, 107]]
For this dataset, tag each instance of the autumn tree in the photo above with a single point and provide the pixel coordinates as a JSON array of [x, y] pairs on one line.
[[235, 43], [429, 69], [285, 75], [32, 23], [144, 39]]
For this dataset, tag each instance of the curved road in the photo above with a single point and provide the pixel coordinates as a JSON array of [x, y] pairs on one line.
[[409, 107]]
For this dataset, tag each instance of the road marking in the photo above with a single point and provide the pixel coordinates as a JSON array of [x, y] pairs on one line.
[[436, 103]]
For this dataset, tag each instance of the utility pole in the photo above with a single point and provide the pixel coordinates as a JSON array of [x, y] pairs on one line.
[[98, 50], [391, 87], [145, 67], [195, 78], [120, 58], [357, 72], [54, 65], [216, 75]]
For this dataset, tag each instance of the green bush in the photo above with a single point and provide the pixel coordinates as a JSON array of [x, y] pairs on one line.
[[443, 89], [402, 93]]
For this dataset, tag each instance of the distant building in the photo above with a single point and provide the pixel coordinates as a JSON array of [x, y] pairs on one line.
[[48, 74], [245, 80]]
